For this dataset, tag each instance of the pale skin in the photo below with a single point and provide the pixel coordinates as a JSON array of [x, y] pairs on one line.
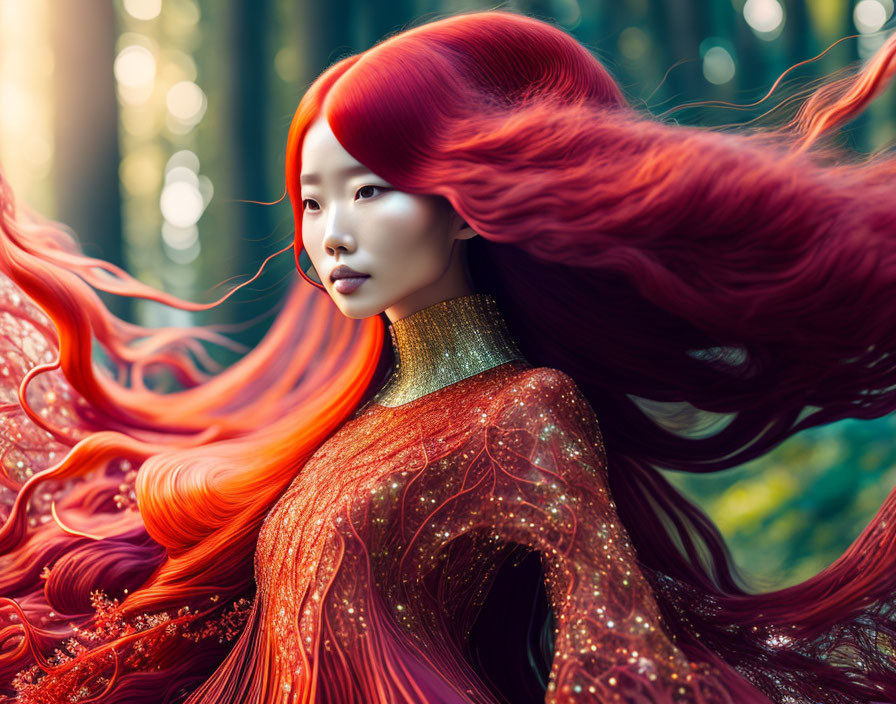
[[412, 246]]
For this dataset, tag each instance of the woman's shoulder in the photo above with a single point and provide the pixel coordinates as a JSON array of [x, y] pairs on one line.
[[541, 386], [545, 395]]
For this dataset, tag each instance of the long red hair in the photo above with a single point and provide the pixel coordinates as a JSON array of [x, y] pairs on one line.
[[680, 275]]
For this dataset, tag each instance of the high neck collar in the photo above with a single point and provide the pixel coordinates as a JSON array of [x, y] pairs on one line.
[[443, 344]]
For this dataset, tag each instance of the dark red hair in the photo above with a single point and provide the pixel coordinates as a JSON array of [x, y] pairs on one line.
[[680, 275]]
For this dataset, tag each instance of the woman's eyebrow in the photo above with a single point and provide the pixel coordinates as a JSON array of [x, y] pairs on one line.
[[309, 179]]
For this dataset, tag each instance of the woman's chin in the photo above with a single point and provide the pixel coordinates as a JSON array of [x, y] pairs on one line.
[[355, 308]]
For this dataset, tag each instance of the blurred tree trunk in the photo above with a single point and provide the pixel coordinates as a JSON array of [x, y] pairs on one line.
[[681, 26], [85, 173], [375, 21], [754, 66], [245, 124], [240, 155], [801, 44], [325, 32]]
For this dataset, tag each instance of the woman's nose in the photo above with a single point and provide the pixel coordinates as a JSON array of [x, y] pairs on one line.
[[338, 241]]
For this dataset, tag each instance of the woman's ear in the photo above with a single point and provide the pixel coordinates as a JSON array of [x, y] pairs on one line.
[[464, 231]]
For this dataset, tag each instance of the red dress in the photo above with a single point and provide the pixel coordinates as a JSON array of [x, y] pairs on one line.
[[414, 557]]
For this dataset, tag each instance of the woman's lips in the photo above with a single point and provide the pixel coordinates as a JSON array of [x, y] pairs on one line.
[[350, 284]]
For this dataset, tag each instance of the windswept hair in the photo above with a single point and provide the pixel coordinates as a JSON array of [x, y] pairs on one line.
[[680, 275]]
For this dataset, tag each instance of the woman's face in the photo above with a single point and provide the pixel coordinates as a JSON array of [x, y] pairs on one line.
[[409, 246]]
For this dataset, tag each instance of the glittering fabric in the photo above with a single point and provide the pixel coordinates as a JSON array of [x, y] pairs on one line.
[[28, 341], [389, 571], [444, 343]]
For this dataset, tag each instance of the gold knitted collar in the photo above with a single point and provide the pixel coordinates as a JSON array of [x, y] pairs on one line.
[[443, 344]]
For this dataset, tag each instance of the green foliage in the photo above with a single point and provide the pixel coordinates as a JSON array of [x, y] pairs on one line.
[[791, 513]]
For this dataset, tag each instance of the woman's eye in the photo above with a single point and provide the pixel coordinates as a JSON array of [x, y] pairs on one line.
[[364, 189], [365, 192]]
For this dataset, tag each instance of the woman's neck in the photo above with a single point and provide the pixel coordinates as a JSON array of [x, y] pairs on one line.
[[443, 344]]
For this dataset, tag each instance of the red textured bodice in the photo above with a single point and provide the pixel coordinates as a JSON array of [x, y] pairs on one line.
[[397, 567]]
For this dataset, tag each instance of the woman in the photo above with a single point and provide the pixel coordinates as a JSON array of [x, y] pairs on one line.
[[458, 528]]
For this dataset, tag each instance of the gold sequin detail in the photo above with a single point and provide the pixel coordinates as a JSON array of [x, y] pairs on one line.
[[443, 344]]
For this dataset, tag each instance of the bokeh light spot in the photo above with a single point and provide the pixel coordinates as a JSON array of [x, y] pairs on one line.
[[764, 15], [186, 102], [633, 43], [143, 9], [135, 66], [718, 65], [869, 16], [181, 204]]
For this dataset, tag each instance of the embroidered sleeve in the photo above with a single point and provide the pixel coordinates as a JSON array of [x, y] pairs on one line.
[[553, 495]]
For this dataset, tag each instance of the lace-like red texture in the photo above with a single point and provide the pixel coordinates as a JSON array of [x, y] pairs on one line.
[[374, 565]]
